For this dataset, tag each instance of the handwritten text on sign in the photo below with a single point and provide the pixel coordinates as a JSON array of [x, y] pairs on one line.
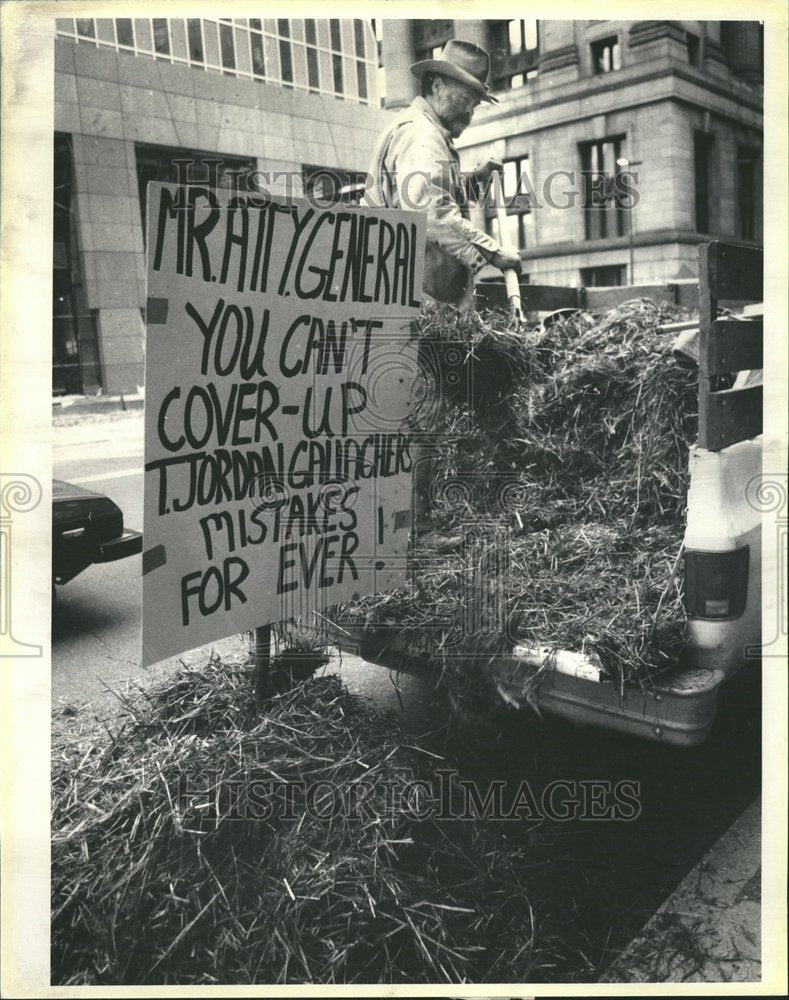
[[280, 367]]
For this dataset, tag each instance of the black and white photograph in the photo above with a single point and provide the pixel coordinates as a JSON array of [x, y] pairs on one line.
[[394, 499]]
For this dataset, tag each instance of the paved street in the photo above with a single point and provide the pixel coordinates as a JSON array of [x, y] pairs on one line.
[[96, 629]]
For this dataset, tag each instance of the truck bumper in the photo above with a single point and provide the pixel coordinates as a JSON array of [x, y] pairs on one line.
[[127, 544], [677, 709]]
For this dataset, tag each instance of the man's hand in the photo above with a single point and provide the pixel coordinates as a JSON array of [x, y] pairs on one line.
[[507, 259], [485, 169]]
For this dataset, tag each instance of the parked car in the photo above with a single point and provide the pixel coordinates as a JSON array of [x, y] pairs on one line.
[[87, 528]]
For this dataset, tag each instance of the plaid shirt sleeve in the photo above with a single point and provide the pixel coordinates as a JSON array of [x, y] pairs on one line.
[[423, 171]]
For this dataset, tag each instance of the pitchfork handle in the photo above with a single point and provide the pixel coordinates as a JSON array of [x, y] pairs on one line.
[[510, 277]]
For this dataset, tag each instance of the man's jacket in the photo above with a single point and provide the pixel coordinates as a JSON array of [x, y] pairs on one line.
[[416, 166]]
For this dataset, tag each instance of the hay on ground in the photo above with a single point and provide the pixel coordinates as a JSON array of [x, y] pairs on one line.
[[167, 868]]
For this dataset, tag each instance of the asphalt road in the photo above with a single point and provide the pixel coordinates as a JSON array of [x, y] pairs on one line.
[[97, 621]]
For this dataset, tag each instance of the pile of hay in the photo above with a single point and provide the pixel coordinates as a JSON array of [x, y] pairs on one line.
[[565, 470], [167, 868]]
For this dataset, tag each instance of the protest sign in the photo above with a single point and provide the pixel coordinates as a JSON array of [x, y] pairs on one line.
[[280, 368]]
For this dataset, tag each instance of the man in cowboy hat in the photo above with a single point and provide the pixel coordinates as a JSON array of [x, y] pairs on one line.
[[415, 166]]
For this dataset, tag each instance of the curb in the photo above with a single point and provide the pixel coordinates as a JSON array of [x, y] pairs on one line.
[[78, 406], [709, 928]]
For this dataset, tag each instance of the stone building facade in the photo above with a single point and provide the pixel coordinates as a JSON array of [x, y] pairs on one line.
[[679, 101]]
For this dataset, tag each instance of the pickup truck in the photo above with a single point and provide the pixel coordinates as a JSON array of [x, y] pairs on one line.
[[722, 544]]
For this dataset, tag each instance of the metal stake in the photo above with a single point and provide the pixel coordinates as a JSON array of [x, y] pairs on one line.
[[261, 658]]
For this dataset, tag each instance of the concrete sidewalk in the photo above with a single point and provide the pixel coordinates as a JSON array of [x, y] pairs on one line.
[[709, 929]]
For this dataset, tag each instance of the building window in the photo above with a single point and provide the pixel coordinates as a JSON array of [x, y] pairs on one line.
[[313, 72], [747, 192], [358, 37], [75, 358], [522, 36], [516, 201], [143, 37], [327, 56], [603, 277], [336, 59], [328, 185], [161, 36], [604, 216], [513, 53], [336, 67], [86, 27], [377, 25], [124, 28], [256, 49], [226, 45], [157, 163], [361, 79], [702, 154], [361, 65], [692, 45], [605, 55], [515, 81], [285, 56], [195, 38], [430, 37], [510, 39]]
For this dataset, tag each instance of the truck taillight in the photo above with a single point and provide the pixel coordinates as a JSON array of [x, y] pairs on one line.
[[716, 583]]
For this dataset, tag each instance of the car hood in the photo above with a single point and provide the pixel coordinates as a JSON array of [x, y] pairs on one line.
[[67, 491]]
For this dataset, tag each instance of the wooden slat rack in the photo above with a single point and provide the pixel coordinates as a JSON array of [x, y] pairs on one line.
[[732, 273]]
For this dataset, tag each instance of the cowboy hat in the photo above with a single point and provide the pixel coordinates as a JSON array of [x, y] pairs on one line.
[[461, 61]]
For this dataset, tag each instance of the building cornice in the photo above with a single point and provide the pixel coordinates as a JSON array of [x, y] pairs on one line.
[[650, 238], [643, 32], [680, 84], [559, 58]]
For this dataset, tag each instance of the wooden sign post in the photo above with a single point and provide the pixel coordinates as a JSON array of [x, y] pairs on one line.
[[280, 363]]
